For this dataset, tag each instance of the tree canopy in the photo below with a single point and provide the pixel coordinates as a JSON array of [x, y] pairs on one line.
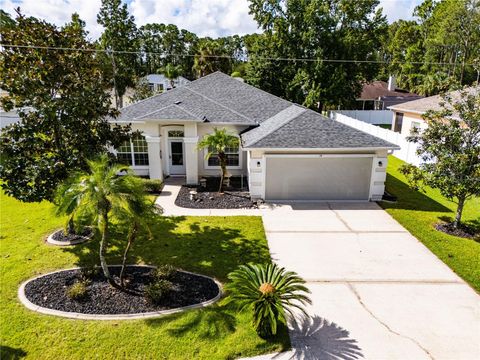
[[63, 102]]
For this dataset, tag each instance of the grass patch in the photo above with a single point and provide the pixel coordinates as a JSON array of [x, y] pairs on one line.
[[420, 211], [209, 245]]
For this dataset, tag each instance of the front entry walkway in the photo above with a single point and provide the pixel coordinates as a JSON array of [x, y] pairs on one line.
[[377, 292]]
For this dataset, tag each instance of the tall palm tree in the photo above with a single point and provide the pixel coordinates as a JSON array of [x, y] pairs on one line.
[[216, 144], [99, 194], [171, 72]]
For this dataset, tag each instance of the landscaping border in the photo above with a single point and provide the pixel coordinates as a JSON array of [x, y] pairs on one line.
[[81, 239], [80, 316]]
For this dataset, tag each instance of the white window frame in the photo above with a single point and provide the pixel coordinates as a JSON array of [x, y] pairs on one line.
[[132, 155], [240, 160]]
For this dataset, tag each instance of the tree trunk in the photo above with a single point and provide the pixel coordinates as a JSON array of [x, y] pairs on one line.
[[131, 237], [458, 215], [71, 226], [103, 247], [223, 165]]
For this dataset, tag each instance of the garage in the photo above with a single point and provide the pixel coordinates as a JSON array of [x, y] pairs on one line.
[[318, 177]]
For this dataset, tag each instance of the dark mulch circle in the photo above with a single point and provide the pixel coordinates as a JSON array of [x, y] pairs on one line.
[[49, 291], [233, 197], [60, 235], [462, 231]]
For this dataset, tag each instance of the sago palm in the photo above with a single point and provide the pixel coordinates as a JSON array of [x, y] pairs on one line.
[[216, 144], [269, 291], [99, 194]]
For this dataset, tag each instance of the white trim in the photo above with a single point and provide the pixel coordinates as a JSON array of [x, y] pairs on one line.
[[190, 140], [320, 155], [347, 150], [153, 139]]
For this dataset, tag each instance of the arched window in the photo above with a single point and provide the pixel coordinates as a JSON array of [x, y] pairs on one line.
[[134, 152]]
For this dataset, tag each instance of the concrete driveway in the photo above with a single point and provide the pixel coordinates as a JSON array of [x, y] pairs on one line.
[[377, 292]]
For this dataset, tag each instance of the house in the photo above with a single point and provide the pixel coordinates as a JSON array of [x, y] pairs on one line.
[[159, 83], [287, 151], [379, 95], [408, 115]]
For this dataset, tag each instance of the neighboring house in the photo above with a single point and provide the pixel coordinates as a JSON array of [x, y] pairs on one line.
[[408, 115], [287, 151], [8, 118], [159, 83], [379, 95]]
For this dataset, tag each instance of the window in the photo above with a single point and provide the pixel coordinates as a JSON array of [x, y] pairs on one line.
[[151, 86], [134, 152], [233, 157], [398, 122], [175, 134]]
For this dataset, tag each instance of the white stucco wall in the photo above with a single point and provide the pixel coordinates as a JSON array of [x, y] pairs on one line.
[[409, 120]]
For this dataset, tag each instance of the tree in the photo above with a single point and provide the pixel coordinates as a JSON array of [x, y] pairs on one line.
[[142, 90], [120, 34], [101, 194], [270, 292], [317, 30], [63, 102], [450, 149], [171, 72], [210, 57], [216, 144]]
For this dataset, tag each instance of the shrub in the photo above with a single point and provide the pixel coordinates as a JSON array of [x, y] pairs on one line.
[[269, 292], [77, 291], [89, 271], [158, 290], [164, 272], [153, 186]]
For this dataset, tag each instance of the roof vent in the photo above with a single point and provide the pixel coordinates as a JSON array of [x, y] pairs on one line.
[[178, 102]]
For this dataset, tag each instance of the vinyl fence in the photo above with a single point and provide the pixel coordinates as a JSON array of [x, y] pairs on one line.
[[376, 117], [407, 150]]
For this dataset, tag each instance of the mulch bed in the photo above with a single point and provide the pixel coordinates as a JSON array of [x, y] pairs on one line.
[[50, 292], [462, 231], [209, 198], [60, 235]]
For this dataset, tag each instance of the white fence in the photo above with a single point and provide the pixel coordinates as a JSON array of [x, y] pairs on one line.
[[407, 150], [378, 117]]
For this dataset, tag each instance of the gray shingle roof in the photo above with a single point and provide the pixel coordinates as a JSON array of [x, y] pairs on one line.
[[219, 98], [421, 106], [310, 130]]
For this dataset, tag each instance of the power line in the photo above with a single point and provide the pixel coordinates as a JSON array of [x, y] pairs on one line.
[[53, 48]]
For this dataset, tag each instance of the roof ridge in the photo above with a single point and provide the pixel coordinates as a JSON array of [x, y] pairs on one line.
[[281, 122], [216, 102], [152, 112]]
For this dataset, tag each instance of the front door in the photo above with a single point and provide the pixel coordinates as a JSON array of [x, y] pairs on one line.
[[176, 158]]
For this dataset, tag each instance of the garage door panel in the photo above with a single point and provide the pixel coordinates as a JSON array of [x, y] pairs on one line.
[[329, 178]]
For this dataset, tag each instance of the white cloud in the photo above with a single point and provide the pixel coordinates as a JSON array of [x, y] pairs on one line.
[[204, 17], [399, 9]]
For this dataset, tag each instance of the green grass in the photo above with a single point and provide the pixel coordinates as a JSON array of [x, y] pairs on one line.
[[212, 246], [420, 211]]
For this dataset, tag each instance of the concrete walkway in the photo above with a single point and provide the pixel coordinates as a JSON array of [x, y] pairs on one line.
[[377, 292]]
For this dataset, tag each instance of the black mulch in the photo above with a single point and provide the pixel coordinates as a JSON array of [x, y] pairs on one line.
[[462, 231], [233, 197], [50, 292], [60, 235]]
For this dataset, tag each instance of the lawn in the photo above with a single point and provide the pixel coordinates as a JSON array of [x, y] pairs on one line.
[[419, 211], [213, 246]]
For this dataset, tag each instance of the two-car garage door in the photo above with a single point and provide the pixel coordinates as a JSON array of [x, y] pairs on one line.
[[313, 177]]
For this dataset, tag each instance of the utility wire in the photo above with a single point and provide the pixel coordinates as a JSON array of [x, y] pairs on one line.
[[221, 56]]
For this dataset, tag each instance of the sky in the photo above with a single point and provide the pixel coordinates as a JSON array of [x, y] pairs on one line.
[[204, 17]]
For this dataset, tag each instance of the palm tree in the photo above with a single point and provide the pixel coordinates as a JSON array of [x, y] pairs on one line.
[[216, 144], [99, 194], [270, 292], [171, 72]]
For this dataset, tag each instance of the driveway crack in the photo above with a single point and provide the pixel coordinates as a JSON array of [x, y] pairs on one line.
[[340, 218], [357, 295]]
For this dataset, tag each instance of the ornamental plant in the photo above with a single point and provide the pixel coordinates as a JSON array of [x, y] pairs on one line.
[[269, 292]]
